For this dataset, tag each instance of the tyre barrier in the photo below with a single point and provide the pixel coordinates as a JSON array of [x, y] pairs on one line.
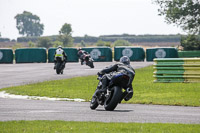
[[6, 56], [134, 53], [161, 52], [30, 55], [189, 54], [177, 70], [71, 54], [100, 54]]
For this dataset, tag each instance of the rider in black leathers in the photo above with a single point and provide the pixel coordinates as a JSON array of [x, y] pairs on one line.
[[122, 67]]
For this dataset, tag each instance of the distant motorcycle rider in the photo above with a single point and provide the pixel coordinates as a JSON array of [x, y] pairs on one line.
[[123, 67], [81, 54], [60, 53]]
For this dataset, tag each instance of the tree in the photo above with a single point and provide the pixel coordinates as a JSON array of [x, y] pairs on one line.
[[29, 24], [190, 42], [83, 44], [65, 35], [183, 13], [44, 42], [66, 40], [66, 29]]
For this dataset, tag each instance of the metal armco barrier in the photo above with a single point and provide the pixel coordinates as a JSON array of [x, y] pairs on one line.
[[177, 70]]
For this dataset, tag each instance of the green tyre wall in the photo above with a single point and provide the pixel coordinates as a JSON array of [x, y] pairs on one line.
[[71, 54], [100, 54], [31, 55], [188, 54], [134, 53], [171, 70], [6, 56], [168, 52]]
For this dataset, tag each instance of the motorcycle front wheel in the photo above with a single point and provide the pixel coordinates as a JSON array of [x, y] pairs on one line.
[[94, 103], [113, 99], [91, 64]]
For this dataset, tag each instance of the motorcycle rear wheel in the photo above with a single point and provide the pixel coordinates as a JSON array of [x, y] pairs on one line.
[[114, 98], [58, 70]]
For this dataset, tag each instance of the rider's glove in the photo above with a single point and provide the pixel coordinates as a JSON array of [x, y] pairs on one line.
[[99, 74]]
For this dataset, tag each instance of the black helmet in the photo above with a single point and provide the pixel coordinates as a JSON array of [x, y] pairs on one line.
[[125, 60]]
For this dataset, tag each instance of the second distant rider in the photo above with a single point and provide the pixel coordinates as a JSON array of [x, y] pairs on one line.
[[81, 53]]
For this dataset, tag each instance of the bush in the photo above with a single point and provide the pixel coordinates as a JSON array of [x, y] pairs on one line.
[[27, 39], [57, 43], [44, 42], [16, 46], [103, 43], [31, 44], [122, 43], [190, 42]]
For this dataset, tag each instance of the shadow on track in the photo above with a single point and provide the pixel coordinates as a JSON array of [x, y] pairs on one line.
[[115, 110]]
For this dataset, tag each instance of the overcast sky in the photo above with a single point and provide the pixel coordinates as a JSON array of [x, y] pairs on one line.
[[91, 17]]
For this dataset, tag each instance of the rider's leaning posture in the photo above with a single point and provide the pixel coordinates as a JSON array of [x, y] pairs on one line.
[[81, 54], [123, 67]]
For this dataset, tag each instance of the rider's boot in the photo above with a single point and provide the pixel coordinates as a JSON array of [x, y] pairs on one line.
[[129, 95]]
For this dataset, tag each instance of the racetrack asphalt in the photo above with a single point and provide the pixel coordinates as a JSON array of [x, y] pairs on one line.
[[18, 109]]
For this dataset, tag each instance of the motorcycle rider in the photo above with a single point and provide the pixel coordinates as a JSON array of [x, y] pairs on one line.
[[60, 53], [123, 67], [81, 53]]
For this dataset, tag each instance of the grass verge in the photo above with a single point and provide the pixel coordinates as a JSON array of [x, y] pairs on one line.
[[94, 127], [145, 91]]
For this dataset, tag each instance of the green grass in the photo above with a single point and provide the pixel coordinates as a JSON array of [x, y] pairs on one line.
[[145, 91], [94, 127]]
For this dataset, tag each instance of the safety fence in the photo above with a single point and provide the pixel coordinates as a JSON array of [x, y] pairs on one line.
[[161, 52], [177, 70], [99, 54], [189, 54], [42, 55], [134, 53], [6, 56], [31, 55], [71, 54]]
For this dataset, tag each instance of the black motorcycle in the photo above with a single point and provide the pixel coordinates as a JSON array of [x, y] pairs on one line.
[[60, 65], [115, 94], [88, 60]]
